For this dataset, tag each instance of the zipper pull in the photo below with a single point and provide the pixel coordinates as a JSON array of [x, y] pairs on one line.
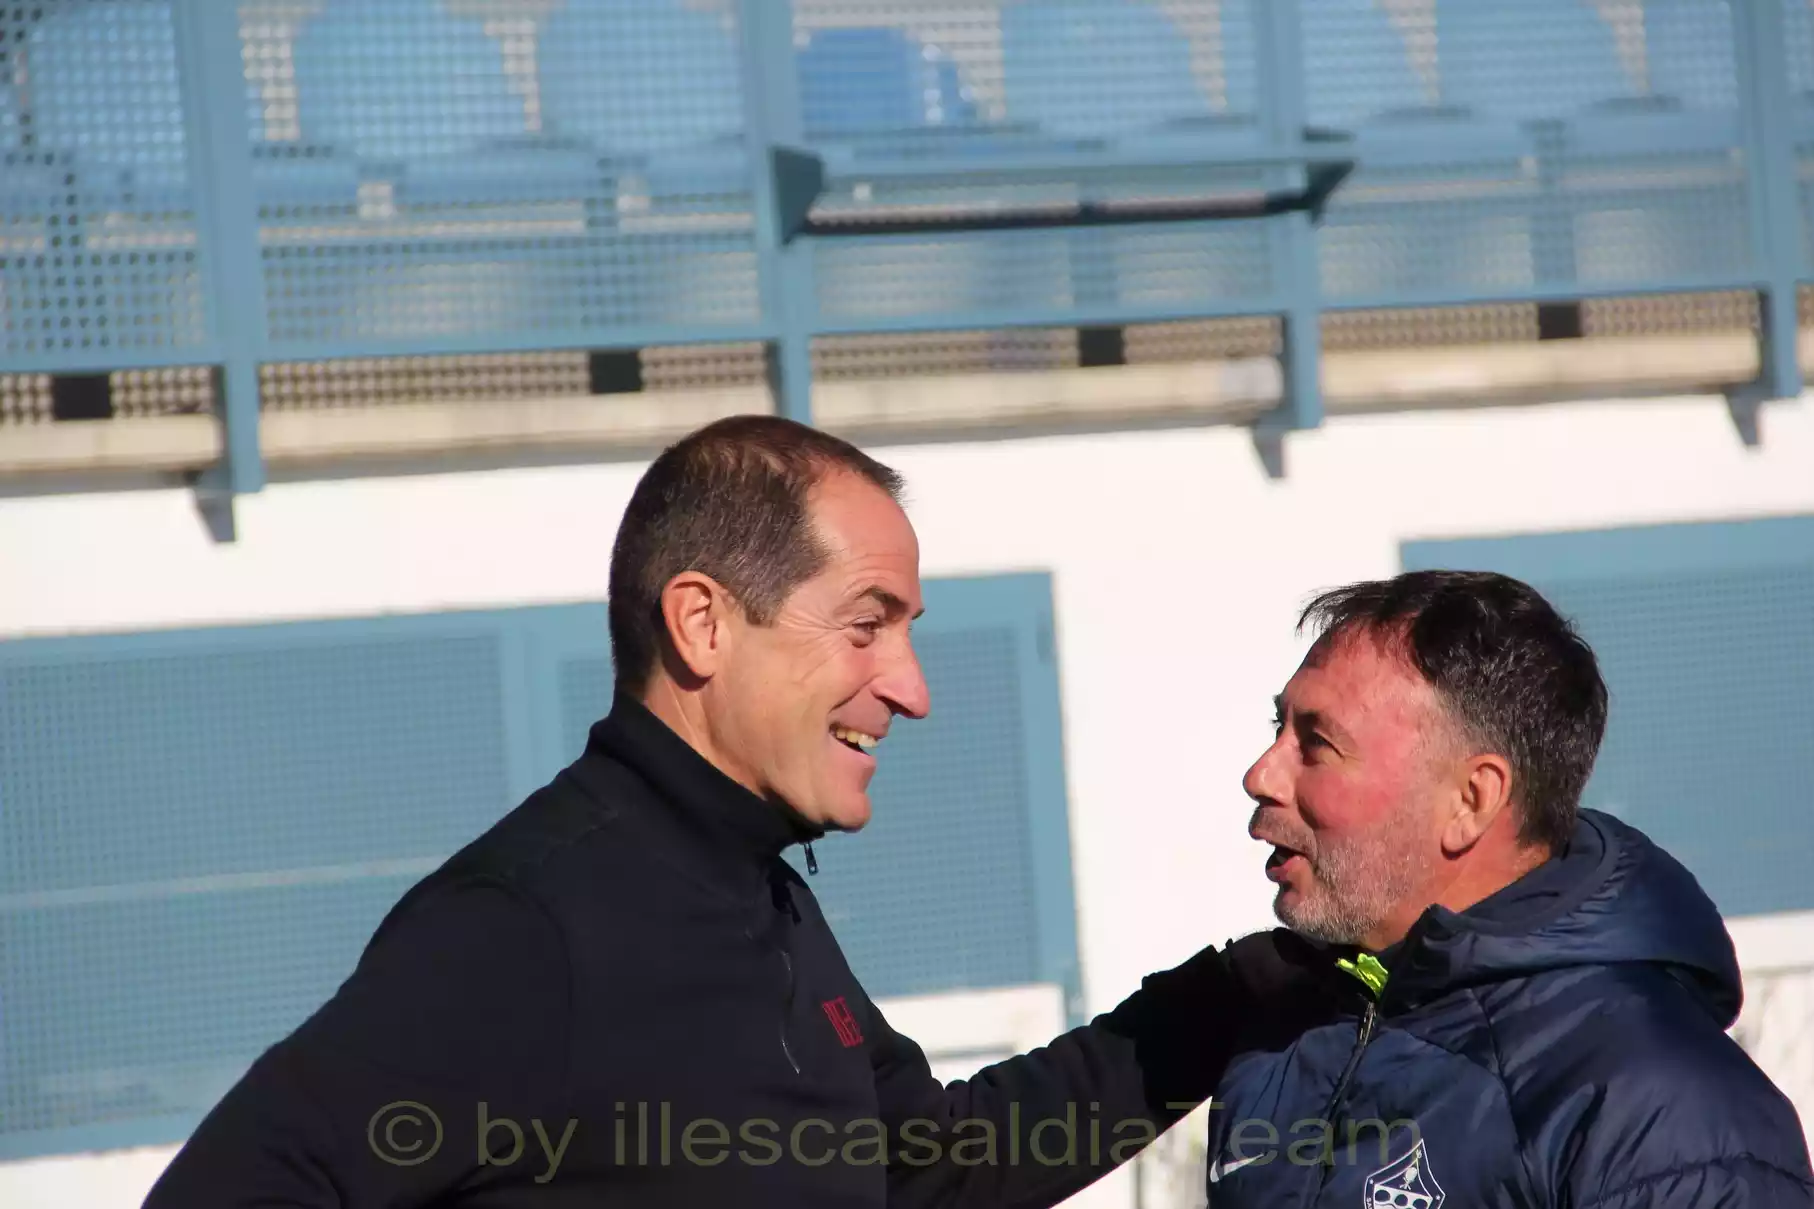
[[812, 862]]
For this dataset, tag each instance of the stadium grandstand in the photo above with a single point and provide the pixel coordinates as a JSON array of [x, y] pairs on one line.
[[334, 335]]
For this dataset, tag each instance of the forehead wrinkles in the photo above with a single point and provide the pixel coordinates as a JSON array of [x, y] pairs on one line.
[[1367, 679]]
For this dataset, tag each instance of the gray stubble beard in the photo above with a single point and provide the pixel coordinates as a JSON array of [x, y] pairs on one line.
[[1356, 885]]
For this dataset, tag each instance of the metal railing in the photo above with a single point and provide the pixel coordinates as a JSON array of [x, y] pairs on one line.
[[189, 182]]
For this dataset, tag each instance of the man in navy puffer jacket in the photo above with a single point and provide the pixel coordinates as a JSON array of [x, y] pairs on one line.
[[1539, 995]]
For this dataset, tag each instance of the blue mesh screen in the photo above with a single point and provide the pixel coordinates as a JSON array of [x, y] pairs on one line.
[[200, 829], [98, 234], [585, 687], [426, 170], [1508, 148], [1798, 48], [198, 833], [1709, 746], [144, 1010], [1120, 80], [451, 175], [1711, 672]]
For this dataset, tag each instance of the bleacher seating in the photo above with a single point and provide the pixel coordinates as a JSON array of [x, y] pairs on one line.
[[1096, 68], [640, 76], [1689, 52], [401, 80], [459, 176], [869, 81], [1357, 65], [1536, 59]]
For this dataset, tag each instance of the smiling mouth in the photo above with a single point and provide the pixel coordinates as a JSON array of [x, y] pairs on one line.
[[857, 740]]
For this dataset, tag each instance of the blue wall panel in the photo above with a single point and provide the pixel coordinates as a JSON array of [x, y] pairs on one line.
[[1706, 639], [200, 829]]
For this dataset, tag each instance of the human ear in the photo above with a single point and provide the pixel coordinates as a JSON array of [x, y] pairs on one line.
[[1484, 793], [694, 609]]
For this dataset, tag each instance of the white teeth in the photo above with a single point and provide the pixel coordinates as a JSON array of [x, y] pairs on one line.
[[854, 736]]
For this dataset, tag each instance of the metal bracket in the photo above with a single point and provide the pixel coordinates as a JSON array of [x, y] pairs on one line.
[[800, 177]]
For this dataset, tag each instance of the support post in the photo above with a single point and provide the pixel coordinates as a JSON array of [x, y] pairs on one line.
[[220, 169], [1294, 234], [1776, 237], [771, 94]]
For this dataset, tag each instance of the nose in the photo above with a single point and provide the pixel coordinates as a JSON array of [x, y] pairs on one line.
[[902, 684], [1268, 781]]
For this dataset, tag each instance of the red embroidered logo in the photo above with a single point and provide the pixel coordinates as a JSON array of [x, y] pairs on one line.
[[838, 1012]]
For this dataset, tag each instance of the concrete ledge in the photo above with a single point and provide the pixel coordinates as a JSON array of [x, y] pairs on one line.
[[149, 443], [958, 405], [1227, 390], [601, 421], [1599, 368]]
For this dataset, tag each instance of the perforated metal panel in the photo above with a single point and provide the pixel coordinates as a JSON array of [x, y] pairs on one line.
[[902, 70], [585, 685], [489, 171], [98, 238], [1509, 149], [1798, 49], [200, 829], [1706, 640], [1711, 743], [1116, 78], [366, 381], [24, 398], [198, 832], [971, 279], [929, 354], [139, 1014]]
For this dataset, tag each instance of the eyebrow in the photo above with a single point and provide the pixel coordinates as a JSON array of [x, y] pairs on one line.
[[888, 600], [1315, 721]]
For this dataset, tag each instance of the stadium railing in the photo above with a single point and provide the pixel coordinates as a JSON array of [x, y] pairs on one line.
[[224, 202]]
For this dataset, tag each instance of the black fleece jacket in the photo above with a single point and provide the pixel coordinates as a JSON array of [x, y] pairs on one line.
[[621, 995]]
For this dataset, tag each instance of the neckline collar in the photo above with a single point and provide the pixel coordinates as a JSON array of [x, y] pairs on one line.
[[737, 834], [1478, 943]]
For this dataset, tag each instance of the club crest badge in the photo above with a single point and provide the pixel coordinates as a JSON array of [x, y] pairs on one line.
[[1406, 1183]]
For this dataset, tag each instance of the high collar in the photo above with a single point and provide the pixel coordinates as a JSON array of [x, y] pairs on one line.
[[732, 834], [1610, 897]]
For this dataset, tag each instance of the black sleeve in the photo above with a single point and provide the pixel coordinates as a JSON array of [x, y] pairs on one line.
[[1107, 1088], [457, 1010]]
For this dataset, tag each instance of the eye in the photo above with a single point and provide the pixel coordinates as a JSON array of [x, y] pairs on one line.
[[1314, 746], [867, 629]]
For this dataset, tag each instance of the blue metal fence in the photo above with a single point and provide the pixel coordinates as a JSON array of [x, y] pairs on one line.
[[180, 897], [191, 182]]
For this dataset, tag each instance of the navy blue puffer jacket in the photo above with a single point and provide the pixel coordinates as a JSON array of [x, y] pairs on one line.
[[1561, 1044]]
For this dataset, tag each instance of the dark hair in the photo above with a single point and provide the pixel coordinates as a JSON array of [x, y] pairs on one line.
[[1513, 671], [729, 501]]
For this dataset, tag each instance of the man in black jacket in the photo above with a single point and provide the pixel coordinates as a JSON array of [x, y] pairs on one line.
[[621, 995]]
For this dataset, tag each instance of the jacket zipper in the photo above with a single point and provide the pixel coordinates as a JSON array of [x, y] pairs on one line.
[[1360, 1046], [787, 1008], [1368, 1018]]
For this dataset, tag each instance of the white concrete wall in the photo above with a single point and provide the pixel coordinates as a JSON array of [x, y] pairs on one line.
[[1178, 567]]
